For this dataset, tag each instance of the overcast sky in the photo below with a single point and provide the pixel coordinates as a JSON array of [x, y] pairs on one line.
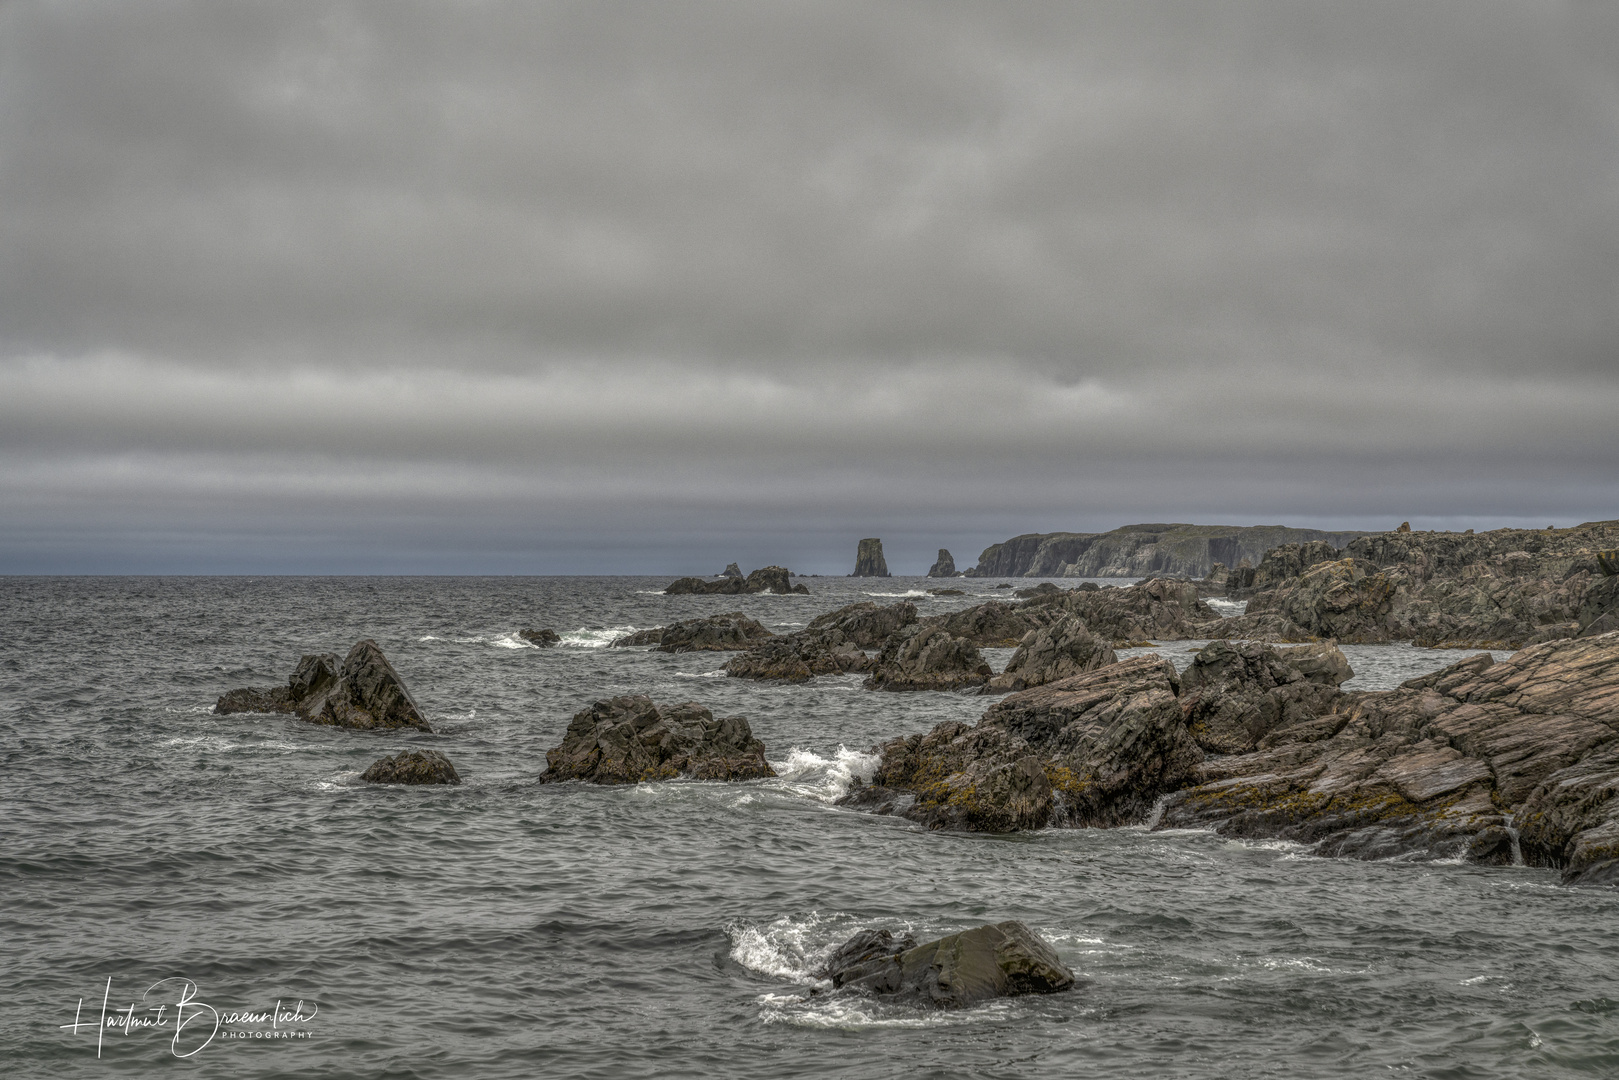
[[596, 287]]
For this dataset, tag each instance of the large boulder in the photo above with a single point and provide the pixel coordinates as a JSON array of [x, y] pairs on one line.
[[992, 624], [766, 579], [1054, 652], [868, 560], [943, 566], [540, 639], [927, 658], [626, 740], [412, 767], [1349, 600], [731, 631], [1234, 695], [799, 656], [865, 624], [960, 970], [364, 691], [1093, 750]]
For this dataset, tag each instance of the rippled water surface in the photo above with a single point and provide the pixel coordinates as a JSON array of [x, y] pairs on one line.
[[509, 929]]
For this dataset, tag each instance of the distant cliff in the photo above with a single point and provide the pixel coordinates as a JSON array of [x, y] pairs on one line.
[[1141, 550]]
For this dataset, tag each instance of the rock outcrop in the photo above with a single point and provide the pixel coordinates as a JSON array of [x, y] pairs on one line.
[[732, 570], [1232, 696], [943, 566], [364, 691], [1349, 600], [992, 624], [1059, 651], [1164, 609], [626, 740], [767, 579], [712, 633], [866, 624], [953, 972], [927, 658], [868, 560], [540, 639], [412, 767]]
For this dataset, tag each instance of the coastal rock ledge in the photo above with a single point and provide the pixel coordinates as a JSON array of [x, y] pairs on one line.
[[625, 740], [954, 972], [1491, 762], [364, 691]]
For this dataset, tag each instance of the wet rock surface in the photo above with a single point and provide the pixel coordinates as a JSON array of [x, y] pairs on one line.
[[627, 740], [412, 767], [799, 657], [364, 691], [543, 639], [711, 633], [867, 624], [922, 657], [960, 970]]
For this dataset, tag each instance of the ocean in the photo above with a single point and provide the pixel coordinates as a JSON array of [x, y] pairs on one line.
[[233, 872]]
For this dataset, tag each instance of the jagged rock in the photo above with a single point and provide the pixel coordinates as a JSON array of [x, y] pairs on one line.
[[1284, 563], [1093, 750], [869, 561], [799, 656], [1054, 652], [712, 633], [1045, 588], [1161, 609], [944, 566], [927, 658], [1405, 527], [412, 767], [772, 579], [961, 970], [865, 946], [1347, 599], [363, 692], [1440, 767], [994, 623], [1599, 607], [1259, 626], [626, 740], [1232, 696], [865, 624], [732, 570], [543, 639]]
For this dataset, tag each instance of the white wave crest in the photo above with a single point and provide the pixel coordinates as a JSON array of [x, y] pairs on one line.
[[511, 641], [1226, 608], [849, 1013], [594, 638], [809, 774], [717, 673], [906, 593]]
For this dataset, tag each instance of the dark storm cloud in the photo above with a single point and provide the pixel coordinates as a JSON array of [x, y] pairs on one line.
[[552, 272]]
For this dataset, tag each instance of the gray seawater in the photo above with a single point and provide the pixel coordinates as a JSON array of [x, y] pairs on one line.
[[511, 929]]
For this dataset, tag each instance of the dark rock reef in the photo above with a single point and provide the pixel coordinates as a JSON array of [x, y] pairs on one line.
[[712, 633], [943, 566], [868, 560], [412, 767], [542, 639], [766, 579], [954, 972], [364, 691], [625, 740], [922, 657], [832, 644], [867, 624]]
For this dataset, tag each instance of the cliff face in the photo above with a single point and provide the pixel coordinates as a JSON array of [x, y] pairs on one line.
[[1141, 550], [869, 561]]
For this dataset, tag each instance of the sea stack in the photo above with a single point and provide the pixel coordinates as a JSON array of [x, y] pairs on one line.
[[869, 561], [944, 566]]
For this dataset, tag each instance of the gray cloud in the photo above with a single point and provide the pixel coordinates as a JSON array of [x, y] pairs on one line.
[[596, 286]]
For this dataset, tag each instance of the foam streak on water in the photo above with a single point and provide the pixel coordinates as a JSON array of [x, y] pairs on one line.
[[509, 929]]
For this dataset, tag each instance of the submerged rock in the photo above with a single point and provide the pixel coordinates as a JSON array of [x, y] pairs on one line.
[[412, 767], [626, 740], [865, 946], [927, 658], [869, 561], [947, 592], [364, 691], [771, 579], [1053, 652], [943, 566], [711, 633], [543, 639], [954, 972]]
